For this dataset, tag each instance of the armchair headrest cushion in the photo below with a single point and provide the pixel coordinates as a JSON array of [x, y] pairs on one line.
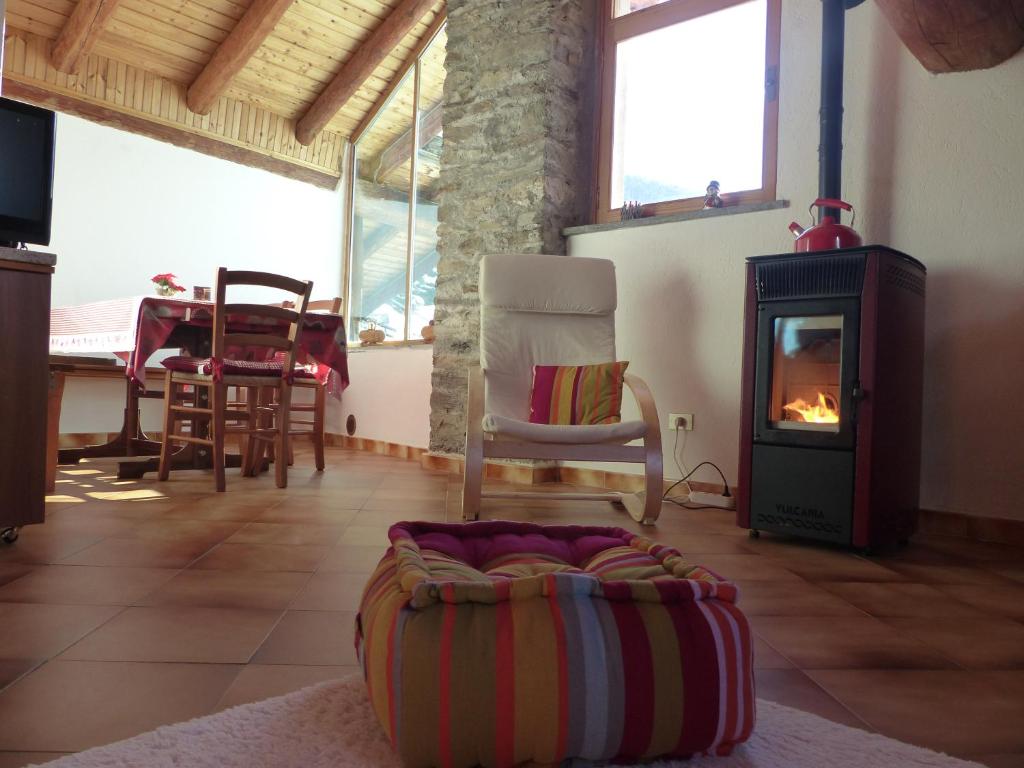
[[548, 284]]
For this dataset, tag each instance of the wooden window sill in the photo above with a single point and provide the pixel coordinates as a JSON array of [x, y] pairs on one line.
[[358, 347], [671, 218]]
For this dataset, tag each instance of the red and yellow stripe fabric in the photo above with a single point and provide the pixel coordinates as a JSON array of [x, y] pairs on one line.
[[495, 643], [577, 394]]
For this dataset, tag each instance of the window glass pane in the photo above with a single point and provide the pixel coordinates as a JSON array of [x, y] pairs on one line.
[[380, 221], [428, 166], [689, 107], [622, 7], [806, 368]]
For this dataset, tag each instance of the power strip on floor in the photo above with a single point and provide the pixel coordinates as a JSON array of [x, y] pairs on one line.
[[712, 500]]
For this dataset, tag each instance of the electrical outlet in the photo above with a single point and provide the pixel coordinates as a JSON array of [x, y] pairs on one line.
[[680, 421]]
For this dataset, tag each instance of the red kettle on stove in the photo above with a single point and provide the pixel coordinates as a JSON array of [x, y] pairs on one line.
[[829, 233]]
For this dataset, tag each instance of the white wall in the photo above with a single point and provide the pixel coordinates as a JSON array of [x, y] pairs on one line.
[[127, 207], [935, 167], [389, 395]]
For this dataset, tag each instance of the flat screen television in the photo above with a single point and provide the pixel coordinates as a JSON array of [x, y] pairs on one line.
[[26, 173]]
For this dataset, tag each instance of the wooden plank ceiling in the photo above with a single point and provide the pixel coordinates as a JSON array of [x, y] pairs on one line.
[[278, 84]]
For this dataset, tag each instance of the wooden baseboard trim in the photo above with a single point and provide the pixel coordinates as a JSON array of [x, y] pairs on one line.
[[997, 530], [380, 447], [508, 471]]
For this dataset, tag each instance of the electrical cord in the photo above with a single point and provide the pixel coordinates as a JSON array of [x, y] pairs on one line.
[[684, 505], [725, 483], [679, 458]]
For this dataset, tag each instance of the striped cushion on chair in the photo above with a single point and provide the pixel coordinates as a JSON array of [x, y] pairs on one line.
[[497, 643], [577, 394], [204, 365]]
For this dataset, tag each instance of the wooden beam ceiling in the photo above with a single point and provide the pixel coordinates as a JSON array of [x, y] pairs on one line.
[[409, 63], [360, 66], [230, 78], [234, 53], [80, 33]]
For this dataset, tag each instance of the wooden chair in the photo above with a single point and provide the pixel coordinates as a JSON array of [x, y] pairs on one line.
[[319, 405], [265, 420], [551, 310], [318, 408]]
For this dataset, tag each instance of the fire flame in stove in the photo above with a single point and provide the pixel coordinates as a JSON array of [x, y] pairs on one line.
[[819, 413]]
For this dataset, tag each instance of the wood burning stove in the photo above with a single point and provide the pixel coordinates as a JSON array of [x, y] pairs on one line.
[[831, 419]]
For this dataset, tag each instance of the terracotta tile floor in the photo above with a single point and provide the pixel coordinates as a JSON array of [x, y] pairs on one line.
[[143, 603]]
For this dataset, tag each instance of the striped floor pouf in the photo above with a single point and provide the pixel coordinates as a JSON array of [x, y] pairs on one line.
[[494, 643]]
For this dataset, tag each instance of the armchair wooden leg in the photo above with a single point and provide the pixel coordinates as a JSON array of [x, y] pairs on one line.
[[645, 507], [164, 470], [472, 481]]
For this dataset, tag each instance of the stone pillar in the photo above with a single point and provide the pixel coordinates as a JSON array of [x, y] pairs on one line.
[[519, 126]]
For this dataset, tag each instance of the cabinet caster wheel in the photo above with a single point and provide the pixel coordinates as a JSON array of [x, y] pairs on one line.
[[754, 533], [10, 535]]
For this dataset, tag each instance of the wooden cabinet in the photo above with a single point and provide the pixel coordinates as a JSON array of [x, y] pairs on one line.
[[24, 384]]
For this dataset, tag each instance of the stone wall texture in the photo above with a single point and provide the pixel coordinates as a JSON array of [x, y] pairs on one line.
[[515, 169]]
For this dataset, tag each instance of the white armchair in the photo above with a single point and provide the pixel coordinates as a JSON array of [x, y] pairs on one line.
[[551, 310]]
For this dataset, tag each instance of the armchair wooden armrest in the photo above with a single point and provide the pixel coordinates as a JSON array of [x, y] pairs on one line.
[[646, 508]]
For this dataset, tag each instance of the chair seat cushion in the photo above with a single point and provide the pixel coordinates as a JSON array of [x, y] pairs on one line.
[[497, 643], [573, 434], [203, 365]]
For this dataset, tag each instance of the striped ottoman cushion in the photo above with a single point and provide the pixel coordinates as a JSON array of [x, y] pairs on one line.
[[494, 643]]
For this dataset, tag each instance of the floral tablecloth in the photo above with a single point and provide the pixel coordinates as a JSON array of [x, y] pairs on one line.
[[134, 328]]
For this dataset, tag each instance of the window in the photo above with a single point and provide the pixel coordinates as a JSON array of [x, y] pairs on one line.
[[392, 250], [689, 95]]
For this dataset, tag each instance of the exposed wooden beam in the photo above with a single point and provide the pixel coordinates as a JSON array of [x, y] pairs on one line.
[[961, 36], [360, 66], [398, 152], [409, 63], [234, 53], [80, 33]]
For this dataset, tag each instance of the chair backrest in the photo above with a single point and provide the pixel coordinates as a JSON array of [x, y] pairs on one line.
[[541, 310], [326, 305], [319, 305], [270, 313]]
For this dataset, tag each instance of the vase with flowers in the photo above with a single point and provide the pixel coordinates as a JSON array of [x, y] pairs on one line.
[[165, 285]]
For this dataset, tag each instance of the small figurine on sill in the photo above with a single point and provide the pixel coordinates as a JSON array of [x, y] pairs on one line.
[[712, 199], [632, 210]]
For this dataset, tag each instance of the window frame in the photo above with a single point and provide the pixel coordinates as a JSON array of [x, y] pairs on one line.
[[412, 64], [613, 30]]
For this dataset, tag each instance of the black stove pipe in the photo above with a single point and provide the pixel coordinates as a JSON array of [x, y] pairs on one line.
[[830, 146]]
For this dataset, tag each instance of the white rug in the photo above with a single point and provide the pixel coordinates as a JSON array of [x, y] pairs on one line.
[[331, 726]]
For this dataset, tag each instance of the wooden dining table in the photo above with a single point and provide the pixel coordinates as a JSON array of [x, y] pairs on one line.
[[133, 329]]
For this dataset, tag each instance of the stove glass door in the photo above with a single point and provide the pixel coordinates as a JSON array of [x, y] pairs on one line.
[[806, 380]]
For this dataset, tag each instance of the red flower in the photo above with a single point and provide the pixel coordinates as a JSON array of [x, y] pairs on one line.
[[167, 279]]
